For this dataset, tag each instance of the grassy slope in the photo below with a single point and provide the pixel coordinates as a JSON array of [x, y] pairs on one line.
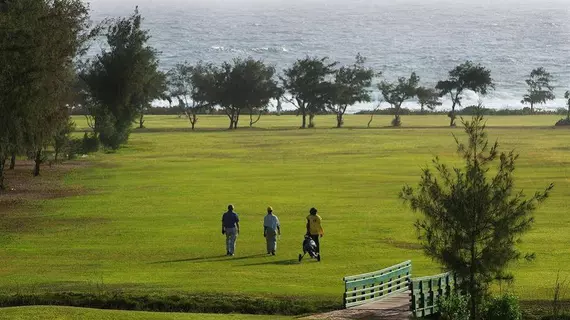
[[151, 222], [66, 313]]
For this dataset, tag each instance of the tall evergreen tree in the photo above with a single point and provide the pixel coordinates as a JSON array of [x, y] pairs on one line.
[[35, 69], [119, 79], [471, 220]]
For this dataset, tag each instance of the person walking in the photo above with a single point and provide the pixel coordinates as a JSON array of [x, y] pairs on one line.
[[314, 227], [271, 228], [230, 227]]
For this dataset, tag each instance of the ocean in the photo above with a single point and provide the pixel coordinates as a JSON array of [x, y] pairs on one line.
[[430, 37]]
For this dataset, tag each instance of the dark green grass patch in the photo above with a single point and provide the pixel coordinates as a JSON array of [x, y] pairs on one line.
[[194, 303]]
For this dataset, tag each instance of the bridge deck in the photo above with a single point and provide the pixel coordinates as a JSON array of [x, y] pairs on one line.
[[396, 307]]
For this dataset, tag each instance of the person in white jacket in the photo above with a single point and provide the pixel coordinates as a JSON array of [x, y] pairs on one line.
[[271, 228]]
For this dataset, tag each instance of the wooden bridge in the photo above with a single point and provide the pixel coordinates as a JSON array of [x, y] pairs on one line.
[[391, 294]]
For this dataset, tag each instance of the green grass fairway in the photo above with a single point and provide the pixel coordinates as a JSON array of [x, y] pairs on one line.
[[150, 219], [67, 313]]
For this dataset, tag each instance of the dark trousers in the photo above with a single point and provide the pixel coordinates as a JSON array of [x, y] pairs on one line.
[[316, 239]]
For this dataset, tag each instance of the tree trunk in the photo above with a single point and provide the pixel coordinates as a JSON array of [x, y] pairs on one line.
[[141, 121], [231, 116], [236, 119], [304, 125], [422, 109], [339, 120], [13, 161], [38, 161], [371, 118], [251, 121], [472, 287], [2, 165], [311, 118], [531, 107], [279, 108], [193, 121], [452, 115]]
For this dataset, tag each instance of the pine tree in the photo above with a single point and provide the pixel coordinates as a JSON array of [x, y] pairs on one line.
[[471, 220]]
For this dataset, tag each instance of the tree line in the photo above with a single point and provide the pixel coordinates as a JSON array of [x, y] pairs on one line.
[[44, 76]]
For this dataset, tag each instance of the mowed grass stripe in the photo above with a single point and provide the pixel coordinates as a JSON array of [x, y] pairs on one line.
[[68, 313], [151, 220]]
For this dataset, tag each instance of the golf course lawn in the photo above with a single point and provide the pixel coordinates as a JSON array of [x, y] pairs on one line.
[[68, 313], [148, 219]]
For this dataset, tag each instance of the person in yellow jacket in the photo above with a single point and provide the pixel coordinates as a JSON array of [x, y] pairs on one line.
[[315, 227]]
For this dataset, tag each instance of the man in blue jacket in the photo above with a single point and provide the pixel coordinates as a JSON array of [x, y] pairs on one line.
[[230, 227]]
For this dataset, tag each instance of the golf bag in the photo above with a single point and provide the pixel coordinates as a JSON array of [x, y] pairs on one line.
[[309, 247]]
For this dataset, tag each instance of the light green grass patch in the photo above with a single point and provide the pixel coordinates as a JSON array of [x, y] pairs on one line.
[[68, 313], [151, 222]]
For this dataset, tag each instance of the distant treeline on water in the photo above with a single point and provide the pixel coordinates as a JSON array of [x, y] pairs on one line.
[[472, 110]]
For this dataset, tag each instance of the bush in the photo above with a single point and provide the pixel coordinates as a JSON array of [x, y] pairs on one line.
[[89, 144], [74, 147], [505, 307], [455, 307], [112, 134], [563, 122], [396, 122]]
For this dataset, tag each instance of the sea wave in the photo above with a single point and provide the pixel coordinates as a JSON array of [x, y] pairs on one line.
[[271, 49]]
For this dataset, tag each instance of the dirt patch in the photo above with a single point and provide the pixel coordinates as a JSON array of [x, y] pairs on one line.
[[22, 186]]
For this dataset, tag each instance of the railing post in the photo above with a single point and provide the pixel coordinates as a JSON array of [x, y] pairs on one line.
[[422, 303], [431, 296], [413, 306]]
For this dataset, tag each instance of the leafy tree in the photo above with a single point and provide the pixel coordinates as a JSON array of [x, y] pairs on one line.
[[119, 79], [35, 69], [350, 86], [62, 137], [428, 98], [181, 87], [398, 92], [471, 221], [466, 76], [244, 85], [305, 82], [154, 88], [254, 86], [539, 88]]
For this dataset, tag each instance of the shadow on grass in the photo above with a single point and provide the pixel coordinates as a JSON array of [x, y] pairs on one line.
[[287, 262], [209, 259]]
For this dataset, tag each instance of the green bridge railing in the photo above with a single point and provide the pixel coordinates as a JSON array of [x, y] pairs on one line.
[[425, 292], [368, 287]]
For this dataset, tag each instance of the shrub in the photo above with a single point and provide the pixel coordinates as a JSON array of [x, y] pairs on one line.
[[396, 122], [90, 144], [74, 147], [563, 122], [505, 307], [455, 307], [113, 134]]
